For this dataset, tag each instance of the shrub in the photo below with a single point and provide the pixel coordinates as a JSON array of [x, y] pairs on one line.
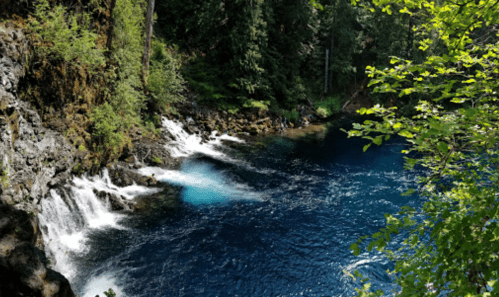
[[156, 160], [261, 105], [329, 106], [322, 112], [292, 115], [128, 16], [109, 130], [110, 293]]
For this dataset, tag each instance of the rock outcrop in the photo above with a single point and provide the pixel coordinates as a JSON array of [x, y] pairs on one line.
[[23, 267], [204, 120], [32, 158]]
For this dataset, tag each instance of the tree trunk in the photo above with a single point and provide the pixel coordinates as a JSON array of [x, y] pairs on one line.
[[147, 45], [109, 44]]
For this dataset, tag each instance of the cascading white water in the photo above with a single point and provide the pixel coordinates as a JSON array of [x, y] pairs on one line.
[[69, 213], [203, 184], [186, 144]]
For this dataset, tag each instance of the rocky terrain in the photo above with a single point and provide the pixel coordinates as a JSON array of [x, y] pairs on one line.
[[32, 160], [23, 266]]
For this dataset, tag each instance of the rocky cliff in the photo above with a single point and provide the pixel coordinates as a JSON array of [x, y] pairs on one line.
[[32, 160]]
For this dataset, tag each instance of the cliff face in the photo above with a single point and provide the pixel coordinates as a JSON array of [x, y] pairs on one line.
[[33, 159]]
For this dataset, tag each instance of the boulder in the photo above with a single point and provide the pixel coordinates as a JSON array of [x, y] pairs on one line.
[[23, 267], [115, 202]]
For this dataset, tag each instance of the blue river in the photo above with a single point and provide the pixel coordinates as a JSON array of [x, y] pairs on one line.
[[276, 220]]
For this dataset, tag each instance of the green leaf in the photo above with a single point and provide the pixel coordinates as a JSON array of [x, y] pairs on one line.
[[366, 147], [408, 192], [371, 246], [442, 147], [406, 134], [397, 126], [355, 248]]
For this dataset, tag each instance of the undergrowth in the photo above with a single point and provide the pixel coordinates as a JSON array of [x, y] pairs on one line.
[[329, 106]]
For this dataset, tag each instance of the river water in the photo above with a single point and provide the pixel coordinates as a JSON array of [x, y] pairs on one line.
[[276, 220]]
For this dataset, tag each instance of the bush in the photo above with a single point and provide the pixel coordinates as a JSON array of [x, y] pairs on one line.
[[292, 115], [329, 106], [109, 131], [261, 105], [205, 80], [322, 112], [128, 16]]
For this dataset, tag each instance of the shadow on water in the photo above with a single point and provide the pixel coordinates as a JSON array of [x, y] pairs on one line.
[[277, 223]]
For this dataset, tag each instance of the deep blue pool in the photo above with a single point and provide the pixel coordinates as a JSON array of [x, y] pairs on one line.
[[277, 223]]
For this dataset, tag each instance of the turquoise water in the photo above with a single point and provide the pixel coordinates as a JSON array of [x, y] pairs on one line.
[[277, 221]]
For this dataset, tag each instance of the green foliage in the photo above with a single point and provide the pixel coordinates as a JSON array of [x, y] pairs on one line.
[[65, 35], [156, 160], [113, 119], [291, 115], [245, 49], [329, 106], [452, 248], [165, 82], [205, 79], [109, 130], [110, 293], [322, 112], [128, 16], [261, 105]]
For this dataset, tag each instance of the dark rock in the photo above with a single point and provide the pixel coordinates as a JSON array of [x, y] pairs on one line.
[[28, 151], [115, 202], [23, 267], [123, 176], [152, 153]]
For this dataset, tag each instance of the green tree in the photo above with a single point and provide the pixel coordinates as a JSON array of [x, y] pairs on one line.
[[246, 51], [451, 249], [65, 35]]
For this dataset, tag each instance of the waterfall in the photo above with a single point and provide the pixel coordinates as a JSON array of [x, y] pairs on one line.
[[69, 213], [185, 144]]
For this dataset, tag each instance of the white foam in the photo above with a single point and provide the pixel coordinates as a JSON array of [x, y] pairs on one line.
[[102, 283], [69, 214], [186, 144], [203, 184]]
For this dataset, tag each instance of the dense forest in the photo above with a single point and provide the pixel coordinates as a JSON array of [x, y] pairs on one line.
[[430, 70]]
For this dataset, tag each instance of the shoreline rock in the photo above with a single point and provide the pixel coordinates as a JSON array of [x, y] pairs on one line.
[[23, 267]]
